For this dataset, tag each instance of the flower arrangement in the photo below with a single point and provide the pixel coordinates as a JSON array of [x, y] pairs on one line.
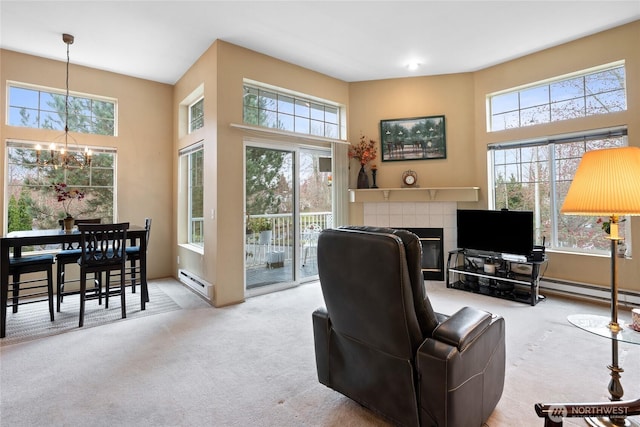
[[606, 225], [66, 195], [364, 151]]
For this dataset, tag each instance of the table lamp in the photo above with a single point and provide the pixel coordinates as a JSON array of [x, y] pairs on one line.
[[607, 183]]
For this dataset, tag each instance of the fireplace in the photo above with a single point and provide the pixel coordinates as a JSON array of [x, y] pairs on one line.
[[432, 252]]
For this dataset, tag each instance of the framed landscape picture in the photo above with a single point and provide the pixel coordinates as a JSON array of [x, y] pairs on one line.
[[419, 138]]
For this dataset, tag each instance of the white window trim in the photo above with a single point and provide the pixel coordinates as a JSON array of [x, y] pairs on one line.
[[544, 82], [114, 101], [549, 141]]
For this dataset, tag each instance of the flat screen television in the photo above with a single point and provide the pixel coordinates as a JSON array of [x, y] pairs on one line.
[[501, 231]]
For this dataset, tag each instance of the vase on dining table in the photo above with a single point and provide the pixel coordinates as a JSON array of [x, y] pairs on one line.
[[68, 224], [363, 179]]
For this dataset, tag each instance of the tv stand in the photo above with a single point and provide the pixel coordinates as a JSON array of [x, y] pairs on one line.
[[515, 281]]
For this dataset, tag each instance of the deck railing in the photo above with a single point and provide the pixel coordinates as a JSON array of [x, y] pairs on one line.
[[265, 249]]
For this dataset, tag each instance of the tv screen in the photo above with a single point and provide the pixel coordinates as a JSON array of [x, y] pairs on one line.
[[501, 231]]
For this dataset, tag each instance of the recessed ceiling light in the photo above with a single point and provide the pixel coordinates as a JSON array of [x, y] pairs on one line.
[[412, 66]]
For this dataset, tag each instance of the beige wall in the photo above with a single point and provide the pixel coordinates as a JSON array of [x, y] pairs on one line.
[[462, 99], [448, 95], [224, 66], [144, 178], [150, 137]]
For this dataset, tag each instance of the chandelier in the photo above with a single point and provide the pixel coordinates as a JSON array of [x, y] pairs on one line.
[[62, 156]]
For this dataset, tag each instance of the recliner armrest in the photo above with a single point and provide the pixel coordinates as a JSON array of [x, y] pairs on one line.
[[463, 327], [321, 332]]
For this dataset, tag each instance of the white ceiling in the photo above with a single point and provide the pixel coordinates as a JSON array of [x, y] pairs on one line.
[[349, 40]]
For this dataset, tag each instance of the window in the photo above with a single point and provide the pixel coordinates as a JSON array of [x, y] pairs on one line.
[[37, 108], [192, 159], [536, 176], [196, 115], [587, 93], [31, 199], [284, 111]]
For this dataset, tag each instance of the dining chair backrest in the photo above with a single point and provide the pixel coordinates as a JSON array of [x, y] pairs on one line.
[[103, 244], [147, 226]]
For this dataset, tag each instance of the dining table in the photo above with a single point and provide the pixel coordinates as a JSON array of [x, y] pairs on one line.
[[16, 240]]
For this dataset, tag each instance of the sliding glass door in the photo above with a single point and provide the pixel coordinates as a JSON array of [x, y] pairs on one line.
[[287, 203]]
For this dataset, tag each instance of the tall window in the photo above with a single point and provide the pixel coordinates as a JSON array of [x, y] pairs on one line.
[[192, 158], [586, 93], [288, 112], [536, 175], [32, 202], [39, 108], [196, 115]]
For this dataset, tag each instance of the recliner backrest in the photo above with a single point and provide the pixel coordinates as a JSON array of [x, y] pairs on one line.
[[373, 301], [413, 252]]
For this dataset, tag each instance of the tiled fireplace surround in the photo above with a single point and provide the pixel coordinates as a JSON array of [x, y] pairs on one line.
[[415, 215]]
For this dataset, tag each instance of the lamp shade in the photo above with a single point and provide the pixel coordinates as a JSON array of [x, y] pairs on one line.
[[606, 183]]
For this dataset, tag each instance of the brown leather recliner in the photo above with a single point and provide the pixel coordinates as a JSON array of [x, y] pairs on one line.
[[379, 342]]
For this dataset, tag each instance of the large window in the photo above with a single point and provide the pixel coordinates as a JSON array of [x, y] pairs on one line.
[[39, 108], [192, 159], [587, 93], [32, 202], [288, 112], [536, 176]]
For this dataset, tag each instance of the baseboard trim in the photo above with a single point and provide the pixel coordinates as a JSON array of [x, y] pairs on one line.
[[586, 290], [199, 285]]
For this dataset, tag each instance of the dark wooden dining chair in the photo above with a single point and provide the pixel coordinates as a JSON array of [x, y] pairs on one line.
[[133, 255], [69, 255], [32, 289], [103, 251]]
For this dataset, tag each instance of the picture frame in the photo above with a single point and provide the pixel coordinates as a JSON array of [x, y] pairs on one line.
[[417, 138]]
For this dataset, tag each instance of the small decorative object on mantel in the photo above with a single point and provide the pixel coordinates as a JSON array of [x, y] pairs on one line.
[[374, 172], [410, 179], [66, 196], [363, 179], [365, 151]]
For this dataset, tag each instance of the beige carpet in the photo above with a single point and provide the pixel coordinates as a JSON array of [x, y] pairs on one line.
[[32, 320], [252, 364]]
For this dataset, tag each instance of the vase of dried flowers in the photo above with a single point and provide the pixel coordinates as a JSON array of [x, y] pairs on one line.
[[364, 152], [363, 179], [65, 195]]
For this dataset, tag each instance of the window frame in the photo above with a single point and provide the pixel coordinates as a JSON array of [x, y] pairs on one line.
[[524, 103], [197, 122], [67, 175], [595, 138], [54, 92], [186, 161], [290, 111]]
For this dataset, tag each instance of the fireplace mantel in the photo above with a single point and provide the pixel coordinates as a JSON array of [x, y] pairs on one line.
[[427, 194]]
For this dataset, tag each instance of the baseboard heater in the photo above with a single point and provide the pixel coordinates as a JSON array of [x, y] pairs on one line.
[[588, 291], [194, 282]]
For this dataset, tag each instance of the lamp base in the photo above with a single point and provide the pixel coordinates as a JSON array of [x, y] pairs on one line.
[[610, 422]]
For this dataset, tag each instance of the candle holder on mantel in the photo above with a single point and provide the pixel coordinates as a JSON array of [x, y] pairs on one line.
[[374, 172]]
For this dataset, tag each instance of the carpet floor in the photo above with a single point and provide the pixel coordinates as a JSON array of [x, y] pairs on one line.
[[32, 320], [253, 364]]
